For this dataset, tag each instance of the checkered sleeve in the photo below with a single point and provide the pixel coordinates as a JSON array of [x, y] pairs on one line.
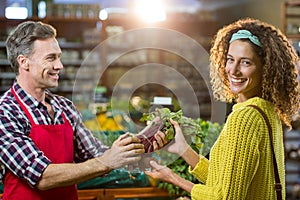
[[86, 146], [17, 151]]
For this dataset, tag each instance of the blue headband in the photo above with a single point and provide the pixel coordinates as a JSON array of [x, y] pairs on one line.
[[245, 34]]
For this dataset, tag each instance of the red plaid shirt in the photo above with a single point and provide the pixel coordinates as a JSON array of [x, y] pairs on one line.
[[18, 153]]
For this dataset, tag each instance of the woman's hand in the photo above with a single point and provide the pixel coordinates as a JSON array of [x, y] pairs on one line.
[[165, 174], [180, 145], [160, 140], [160, 172], [182, 148]]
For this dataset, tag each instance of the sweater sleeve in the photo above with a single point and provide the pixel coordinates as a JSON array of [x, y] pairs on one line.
[[234, 158], [201, 170]]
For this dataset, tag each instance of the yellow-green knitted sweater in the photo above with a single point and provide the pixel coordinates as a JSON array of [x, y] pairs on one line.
[[240, 165]]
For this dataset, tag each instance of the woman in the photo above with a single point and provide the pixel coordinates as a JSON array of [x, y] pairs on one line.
[[252, 63]]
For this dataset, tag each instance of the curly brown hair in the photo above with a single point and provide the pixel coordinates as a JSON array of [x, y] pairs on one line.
[[280, 83]]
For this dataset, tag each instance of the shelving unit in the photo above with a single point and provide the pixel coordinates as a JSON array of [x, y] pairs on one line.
[[76, 51], [74, 44], [290, 13], [292, 148], [290, 19], [72, 34], [200, 30]]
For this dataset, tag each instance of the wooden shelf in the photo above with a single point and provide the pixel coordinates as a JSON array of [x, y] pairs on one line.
[[287, 14], [293, 3], [116, 193], [293, 36]]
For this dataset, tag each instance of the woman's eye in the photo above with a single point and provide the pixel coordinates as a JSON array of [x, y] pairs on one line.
[[245, 62], [229, 60]]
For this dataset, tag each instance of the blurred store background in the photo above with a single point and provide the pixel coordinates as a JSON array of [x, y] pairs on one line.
[[113, 81]]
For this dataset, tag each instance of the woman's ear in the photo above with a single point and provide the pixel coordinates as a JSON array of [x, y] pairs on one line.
[[23, 62]]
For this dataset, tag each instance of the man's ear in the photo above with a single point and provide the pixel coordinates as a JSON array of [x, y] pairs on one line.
[[23, 62]]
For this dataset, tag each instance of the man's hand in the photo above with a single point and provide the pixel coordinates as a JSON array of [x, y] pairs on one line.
[[125, 150]]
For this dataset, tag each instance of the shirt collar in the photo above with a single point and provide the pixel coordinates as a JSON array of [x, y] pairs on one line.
[[26, 98], [34, 104], [29, 100]]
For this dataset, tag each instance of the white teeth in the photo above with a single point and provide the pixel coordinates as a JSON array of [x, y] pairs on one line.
[[236, 80], [54, 74]]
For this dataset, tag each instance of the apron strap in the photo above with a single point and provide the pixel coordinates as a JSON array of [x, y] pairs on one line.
[[23, 106], [26, 111]]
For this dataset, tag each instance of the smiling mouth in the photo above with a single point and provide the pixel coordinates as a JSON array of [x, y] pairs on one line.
[[55, 75], [234, 80]]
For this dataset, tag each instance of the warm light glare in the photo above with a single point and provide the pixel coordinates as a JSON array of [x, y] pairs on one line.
[[42, 9], [135, 101], [150, 10], [16, 12], [103, 14]]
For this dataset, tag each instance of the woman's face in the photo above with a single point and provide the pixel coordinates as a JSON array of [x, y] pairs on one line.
[[244, 70]]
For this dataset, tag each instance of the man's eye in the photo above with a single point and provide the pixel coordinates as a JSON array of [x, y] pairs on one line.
[[51, 58]]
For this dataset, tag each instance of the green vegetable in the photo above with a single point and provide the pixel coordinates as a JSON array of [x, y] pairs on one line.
[[160, 120], [200, 134]]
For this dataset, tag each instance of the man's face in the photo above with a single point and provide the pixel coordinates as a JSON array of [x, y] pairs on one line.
[[44, 63]]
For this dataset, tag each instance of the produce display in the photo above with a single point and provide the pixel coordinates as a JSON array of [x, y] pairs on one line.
[[105, 122], [160, 120], [200, 134]]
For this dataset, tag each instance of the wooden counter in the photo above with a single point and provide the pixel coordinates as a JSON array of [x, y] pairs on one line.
[[114, 193]]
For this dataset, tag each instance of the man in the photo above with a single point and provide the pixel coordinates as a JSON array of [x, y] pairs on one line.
[[45, 150]]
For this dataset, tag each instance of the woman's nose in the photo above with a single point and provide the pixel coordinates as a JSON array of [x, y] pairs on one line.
[[234, 68]]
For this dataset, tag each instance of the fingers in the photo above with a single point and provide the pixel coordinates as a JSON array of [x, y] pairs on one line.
[[155, 145], [125, 150], [154, 168], [177, 128], [158, 171], [155, 165], [127, 146], [118, 156], [175, 124], [123, 136], [126, 139], [129, 142], [135, 147], [159, 141]]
